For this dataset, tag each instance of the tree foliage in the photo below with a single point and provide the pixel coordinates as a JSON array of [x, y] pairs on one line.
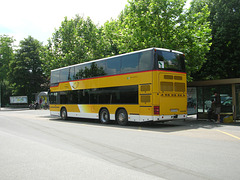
[[165, 24], [150, 23], [6, 55], [195, 35], [26, 75], [75, 41], [224, 56]]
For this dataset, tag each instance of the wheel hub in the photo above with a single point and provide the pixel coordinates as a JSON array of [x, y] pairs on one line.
[[121, 117]]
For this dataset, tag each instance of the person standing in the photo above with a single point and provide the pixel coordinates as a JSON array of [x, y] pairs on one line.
[[217, 104]]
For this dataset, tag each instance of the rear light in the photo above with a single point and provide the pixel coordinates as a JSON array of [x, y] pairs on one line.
[[156, 110]]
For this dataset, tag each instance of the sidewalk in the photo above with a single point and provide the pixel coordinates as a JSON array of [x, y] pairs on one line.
[[194, 117], [13, 109]]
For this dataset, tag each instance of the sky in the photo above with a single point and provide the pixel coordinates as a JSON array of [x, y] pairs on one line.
[[40, 18]]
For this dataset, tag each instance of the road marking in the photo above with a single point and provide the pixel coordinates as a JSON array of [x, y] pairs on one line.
[[228, 134]]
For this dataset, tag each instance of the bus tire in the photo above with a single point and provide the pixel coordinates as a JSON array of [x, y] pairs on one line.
[[104, 116], [63, 113], [122, 117]]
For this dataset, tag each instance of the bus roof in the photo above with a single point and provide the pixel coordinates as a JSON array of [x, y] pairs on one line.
[[161, 49]]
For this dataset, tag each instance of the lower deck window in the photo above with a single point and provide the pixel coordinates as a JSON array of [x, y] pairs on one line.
[[112, 95]]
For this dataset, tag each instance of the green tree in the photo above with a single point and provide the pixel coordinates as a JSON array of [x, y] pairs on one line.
[[110, 37], [166, 24], [224, 56], [75, 41], [194, 35], [26, 74], [149, 23], [6, 55]]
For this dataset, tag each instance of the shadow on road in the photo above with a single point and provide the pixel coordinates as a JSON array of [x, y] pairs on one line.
[[166, 127]]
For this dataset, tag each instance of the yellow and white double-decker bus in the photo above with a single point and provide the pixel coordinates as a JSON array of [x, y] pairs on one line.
[[146, 85]]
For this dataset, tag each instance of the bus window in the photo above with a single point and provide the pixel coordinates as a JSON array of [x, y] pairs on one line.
[[83, 96], [170, 60], [104, 96], [53, 98], [145, 61], [82, 71], [64, 74], [124, 95], [72, 97], [113, 66], [86, 71], [63, 98], [129, 63], [71, 73], [77, 72], [97, 69], [101, 67], [55, 76]]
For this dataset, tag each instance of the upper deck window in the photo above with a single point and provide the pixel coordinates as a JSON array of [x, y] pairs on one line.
[[170, 60], [64, 73], [113, 66], [55, 76], [129, 63], [145, 61]]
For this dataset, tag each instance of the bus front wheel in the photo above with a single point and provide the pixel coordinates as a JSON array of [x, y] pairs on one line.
[[122, 117], [64, 113], [104, 116]]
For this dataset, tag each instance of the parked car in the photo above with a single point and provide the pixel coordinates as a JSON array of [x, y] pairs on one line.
[[227, 105]]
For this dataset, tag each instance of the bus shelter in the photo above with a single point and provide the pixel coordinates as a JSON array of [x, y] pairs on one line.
[[42, 99], [201, 94]]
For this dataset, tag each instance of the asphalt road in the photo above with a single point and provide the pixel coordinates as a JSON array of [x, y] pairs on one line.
[[34, 145]]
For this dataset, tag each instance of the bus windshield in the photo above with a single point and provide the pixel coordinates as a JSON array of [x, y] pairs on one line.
[[170, 60]]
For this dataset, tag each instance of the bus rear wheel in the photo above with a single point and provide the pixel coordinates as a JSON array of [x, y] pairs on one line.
[[104, 116], [63, 113], [122, 117]]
